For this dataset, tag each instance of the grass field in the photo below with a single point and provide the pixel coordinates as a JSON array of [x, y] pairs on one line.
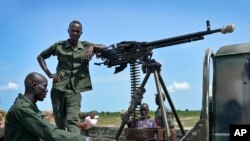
[[108, 119], [113, 119]]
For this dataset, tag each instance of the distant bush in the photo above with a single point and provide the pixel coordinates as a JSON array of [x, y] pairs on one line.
[[189, 113]]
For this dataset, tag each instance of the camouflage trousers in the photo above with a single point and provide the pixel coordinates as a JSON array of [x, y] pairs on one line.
[[66, 108]]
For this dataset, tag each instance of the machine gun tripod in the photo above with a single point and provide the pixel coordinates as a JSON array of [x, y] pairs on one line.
[[150, 67]]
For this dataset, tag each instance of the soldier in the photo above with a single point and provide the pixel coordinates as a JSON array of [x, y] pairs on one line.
[[24, 121], [72, 76], [159, 118]]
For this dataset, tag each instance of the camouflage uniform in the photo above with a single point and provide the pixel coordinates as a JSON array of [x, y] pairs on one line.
[[24, 123], [65, 95]]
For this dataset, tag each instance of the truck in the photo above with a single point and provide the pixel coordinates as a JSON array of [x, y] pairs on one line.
[[227, 102]]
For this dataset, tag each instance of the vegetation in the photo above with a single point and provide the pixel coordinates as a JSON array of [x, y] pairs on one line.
[[113, 119]]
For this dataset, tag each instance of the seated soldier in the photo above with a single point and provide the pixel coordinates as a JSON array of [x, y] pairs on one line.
[[23, 120], [170, 119]]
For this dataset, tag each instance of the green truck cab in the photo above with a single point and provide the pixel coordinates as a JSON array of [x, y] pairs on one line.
[[228, 102]]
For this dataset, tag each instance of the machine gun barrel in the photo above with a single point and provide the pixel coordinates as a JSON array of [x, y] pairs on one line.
[[187, 38]]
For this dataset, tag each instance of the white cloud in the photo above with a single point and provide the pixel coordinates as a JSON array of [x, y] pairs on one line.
[[9, 86], [177, 86]]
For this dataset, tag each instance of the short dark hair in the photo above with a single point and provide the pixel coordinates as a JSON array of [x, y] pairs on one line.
[[75, 22], [30, 78]]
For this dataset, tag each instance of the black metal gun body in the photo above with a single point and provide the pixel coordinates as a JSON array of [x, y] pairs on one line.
[[125, 52]]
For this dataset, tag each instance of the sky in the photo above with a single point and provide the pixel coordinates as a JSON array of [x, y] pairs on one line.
[[28, 27]]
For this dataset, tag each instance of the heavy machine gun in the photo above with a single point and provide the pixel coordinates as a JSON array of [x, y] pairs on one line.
[[140, 53], [125, 52]]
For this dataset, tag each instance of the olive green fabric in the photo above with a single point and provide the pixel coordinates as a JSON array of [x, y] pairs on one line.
[[66, 107], [65, 95], [159, 118], [24, 123], [72, 65]]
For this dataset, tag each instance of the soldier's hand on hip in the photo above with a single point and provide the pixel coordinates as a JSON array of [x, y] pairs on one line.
[[57, 77]]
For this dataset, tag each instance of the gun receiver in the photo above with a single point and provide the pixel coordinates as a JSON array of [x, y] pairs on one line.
[[125, 52]]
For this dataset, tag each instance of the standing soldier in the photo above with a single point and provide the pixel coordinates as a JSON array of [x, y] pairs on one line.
[[72, 76]]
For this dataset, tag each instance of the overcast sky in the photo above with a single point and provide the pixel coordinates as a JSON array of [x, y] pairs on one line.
[[28, 27]]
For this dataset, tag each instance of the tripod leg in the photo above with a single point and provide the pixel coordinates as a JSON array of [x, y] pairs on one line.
[[145, 80], [161, 103], [131, 108], [171, 104]]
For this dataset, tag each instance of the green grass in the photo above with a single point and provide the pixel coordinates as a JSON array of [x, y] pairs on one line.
[[112, 119]]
